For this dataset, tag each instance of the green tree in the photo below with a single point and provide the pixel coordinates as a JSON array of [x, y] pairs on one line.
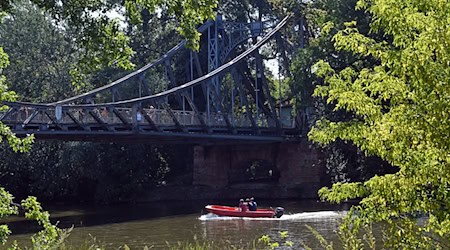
[[401, 113], [64, 171], [100, 41], [41, 55], [6, 95], [97, 34], [344, 161]]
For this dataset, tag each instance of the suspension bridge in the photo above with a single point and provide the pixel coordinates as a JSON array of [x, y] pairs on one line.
[[226, 99], [221, 103]]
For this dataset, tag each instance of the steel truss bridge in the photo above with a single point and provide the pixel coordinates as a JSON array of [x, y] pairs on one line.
[[227, 101]]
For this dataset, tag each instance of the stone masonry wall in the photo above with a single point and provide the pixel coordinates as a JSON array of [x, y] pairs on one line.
[[298, 164]]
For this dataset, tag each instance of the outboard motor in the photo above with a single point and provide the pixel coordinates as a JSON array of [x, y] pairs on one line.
[[279, 211]]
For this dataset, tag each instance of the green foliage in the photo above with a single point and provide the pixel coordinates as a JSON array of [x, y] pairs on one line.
[[95, 34], [99, 41], [400, 112], [50, 169], [6, 199], [269, 243], [325, 18], [98, 36], [264, 242], [50, 237], [6, 209], [30, 39], [98, 26], [280, 90], [115, 51], [84, 171], [210, 245], [190, 13], [344, 161], [323, 242], [5, 95], [349, 237], [239, 10]]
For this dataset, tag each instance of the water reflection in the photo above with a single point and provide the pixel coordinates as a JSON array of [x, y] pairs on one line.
[[234, 229], [155, 224]]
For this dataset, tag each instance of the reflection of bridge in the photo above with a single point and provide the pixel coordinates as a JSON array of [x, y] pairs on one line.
[[230, 103]]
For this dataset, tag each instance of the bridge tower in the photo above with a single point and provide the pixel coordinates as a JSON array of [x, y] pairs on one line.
[[222, 38], [287, 169]]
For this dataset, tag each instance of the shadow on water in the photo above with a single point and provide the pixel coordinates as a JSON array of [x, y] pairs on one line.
[[86, 216]]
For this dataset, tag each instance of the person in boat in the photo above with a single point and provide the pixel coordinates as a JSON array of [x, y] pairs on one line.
[[252, 206], [243, 207], [247, 202]]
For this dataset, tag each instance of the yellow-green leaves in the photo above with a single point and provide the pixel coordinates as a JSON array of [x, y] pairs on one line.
[[104, 45], [5, 95], [343, 191], [401, 107], [50, 237], [189, 13], [4, 60], [268, 243], [327, 27], [100, 40], [6, 209]]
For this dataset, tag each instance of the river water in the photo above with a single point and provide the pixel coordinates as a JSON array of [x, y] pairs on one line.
[[158, 224]]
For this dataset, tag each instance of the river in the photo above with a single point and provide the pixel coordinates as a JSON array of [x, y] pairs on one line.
[[158, 224]]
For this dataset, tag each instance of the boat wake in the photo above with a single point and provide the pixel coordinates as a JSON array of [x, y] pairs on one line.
[[314, 215], [321, 215]]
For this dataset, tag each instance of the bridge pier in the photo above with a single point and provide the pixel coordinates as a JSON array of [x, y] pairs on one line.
[[277, 170]]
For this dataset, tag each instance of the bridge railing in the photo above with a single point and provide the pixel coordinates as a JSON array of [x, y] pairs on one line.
[[103, 115], [120, 116]]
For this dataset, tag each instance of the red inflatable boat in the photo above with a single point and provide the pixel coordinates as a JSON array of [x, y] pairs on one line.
[[236, 212]]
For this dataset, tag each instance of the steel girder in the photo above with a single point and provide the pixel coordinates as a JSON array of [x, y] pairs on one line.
[[154, 113]]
